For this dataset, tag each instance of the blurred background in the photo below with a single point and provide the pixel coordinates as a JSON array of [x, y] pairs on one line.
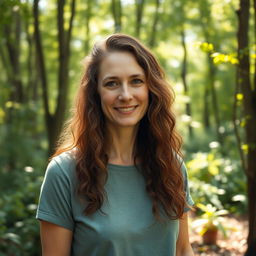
[[207, 49]]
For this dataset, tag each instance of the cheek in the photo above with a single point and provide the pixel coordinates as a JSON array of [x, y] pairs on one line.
[[145, 96], [107, 100]]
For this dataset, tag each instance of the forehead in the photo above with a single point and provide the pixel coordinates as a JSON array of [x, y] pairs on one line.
[[119, 64]]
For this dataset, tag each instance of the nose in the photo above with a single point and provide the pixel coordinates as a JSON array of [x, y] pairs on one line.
[[125, 93]]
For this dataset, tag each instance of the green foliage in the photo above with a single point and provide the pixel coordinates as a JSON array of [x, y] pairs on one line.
[[20, 133], [22, 136], [219, 58], [215, 172], [217, 180], [19, 232], [210, 219]]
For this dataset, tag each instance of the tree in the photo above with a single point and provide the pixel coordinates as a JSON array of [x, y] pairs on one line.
[[210, 87], [139, 14], [54, 121], [249, 103], [10, 49], [88, 15], [184, 77], [116, 8], [152, 39]]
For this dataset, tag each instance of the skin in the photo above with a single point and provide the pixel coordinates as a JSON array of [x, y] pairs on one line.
[[121, 84], [55, 240], [183, 246]]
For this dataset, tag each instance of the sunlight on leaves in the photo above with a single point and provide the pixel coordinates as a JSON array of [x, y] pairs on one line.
[[12, 104], [245, 148], [186, 118], [239, 96], [206, 47], [253, 56], [2, 115], [243, 123], [219, 58], [214, 144], [239, 198], [28, 169], [195, 124]]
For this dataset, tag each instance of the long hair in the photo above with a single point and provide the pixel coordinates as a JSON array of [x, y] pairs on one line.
[[157, 142]]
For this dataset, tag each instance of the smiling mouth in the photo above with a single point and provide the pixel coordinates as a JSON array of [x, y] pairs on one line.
[[126, 109]]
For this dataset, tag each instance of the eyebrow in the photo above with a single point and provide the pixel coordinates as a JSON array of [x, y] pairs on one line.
[[116, 77]]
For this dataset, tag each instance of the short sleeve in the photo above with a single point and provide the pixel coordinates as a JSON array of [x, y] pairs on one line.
[[189, 199], [55, 197]]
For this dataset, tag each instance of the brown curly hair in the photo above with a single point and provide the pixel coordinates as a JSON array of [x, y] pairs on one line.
[[157, 142]]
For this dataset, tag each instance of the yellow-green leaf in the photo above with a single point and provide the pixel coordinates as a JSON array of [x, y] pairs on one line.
[[245, 148], [2, 115], [206, 47], [239, 96], [243, 123]]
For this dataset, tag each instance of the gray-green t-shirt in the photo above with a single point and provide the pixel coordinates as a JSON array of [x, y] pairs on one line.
[[128, 227]]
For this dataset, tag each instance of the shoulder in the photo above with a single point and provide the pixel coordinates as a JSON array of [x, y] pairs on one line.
[[65, 160], [182, 166], [180, 162], [62, 165], [57, 191]]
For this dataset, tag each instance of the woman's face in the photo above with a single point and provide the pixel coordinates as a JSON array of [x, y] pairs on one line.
[[123, 90]]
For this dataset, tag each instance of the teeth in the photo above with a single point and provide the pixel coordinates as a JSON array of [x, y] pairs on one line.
[[126, 109]]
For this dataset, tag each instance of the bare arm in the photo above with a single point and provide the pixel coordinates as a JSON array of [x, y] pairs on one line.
[[56, 240], [183, 247]]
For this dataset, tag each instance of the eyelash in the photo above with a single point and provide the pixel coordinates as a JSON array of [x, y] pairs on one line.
[[138, 81], [135, 81], [111, 83]]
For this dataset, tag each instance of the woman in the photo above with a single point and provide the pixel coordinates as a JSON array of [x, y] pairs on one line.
[[117, 185]]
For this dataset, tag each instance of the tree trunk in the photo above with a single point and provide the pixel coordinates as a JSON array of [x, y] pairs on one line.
[[41, 67], [205, 24], [55, 121], [254, 7], [206, 112], [215, 105], [87, 25], [12, 35], [207, 27], [32, 84], [139, 15], [6, 64], [152, 39], [184, 78], [249, 104], [116, 8], [236, 126]]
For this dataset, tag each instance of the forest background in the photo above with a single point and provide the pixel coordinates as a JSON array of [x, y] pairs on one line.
[[207, 49]]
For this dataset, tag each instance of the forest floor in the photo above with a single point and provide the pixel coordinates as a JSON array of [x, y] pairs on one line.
[[233, 245]]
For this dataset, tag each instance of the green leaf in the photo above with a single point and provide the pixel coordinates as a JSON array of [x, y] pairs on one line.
[[239, 96]]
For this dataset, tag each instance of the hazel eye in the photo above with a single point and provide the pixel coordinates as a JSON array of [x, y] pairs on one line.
[[111, 84]]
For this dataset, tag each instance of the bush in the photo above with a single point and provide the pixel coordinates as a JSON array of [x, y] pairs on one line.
[[217, 181], [19, 232]]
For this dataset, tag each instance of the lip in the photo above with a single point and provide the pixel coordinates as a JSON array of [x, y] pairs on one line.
[[120, 110], [126, 106]]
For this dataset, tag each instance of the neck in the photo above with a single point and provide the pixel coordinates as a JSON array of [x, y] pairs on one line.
[[120, 144]]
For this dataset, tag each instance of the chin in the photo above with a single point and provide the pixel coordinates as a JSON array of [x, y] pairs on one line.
[[127, 124]]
